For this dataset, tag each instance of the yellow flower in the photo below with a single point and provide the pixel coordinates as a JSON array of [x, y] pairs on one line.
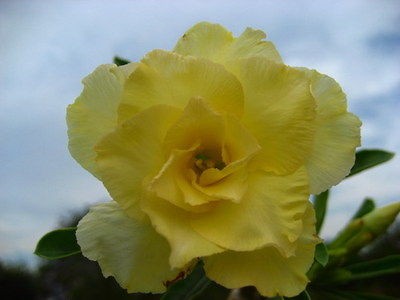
[[210, 151]]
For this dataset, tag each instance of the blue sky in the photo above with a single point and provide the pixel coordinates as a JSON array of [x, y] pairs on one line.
[[47, 47]]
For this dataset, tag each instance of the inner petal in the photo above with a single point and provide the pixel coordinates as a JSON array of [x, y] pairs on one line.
[[225, 176], [173, 182], [238, 149], [199, 124], [208, 155]]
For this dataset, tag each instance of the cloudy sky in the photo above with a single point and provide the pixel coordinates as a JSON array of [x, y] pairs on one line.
[[47, 47]]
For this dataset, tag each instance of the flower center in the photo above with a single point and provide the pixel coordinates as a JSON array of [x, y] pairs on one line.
[[203, 162]]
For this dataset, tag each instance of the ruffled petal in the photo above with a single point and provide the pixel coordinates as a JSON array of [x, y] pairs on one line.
[[132, 152], [174, 224], [205, 40], [269, 214], [125, 248], [168, 78], [279, 112], [337, 134], [251, 43], [214, 42], [94, 113], [266, 269]]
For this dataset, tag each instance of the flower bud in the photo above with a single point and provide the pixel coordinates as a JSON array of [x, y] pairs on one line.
[[362, 231], [380, 219]]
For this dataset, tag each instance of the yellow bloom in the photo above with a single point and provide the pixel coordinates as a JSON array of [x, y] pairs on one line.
[[209, 151]]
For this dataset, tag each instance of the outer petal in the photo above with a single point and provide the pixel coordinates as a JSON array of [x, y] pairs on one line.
[[266, 269], [133, 151], [251, 43], [168, 78], [94, 113], [205, 40], [269, 214], [336, 138], [174, 224], [128, 249], [214, 42], [279, 111]]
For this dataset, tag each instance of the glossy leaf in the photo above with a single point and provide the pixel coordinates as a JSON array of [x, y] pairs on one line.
[[119, 61], [374, 268], [367, 206], [369, 158], [191, 286], [321, 254], [363, 270], [58, 244], [320, 206]]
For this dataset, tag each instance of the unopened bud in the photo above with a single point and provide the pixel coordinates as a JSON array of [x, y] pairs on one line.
[[380, 219], [362, 231]]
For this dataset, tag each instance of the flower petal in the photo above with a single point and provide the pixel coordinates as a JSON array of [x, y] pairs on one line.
[[168, 78], [214, 42], [173, 183], [230, 187], [126, 248], [94, 113], [279, 112], [174, 224], [337, 135], [212, 134], [205, 40], [251, 43], [199, 129], [133, 151], [239, 143], [266, 269], [268, 214], [198, 124]]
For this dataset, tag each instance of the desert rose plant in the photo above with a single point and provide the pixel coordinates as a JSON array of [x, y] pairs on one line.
[[210, 153]]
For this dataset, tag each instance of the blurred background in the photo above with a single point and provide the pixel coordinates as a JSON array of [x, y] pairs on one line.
[[47, 47]]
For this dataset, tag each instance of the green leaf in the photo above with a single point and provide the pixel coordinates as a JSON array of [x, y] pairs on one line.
[[374, 268], [119, 61], [367, 206], [58, 244], [321, 254], [369, 158], [191, 286], [364, 270], [320, 205]]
